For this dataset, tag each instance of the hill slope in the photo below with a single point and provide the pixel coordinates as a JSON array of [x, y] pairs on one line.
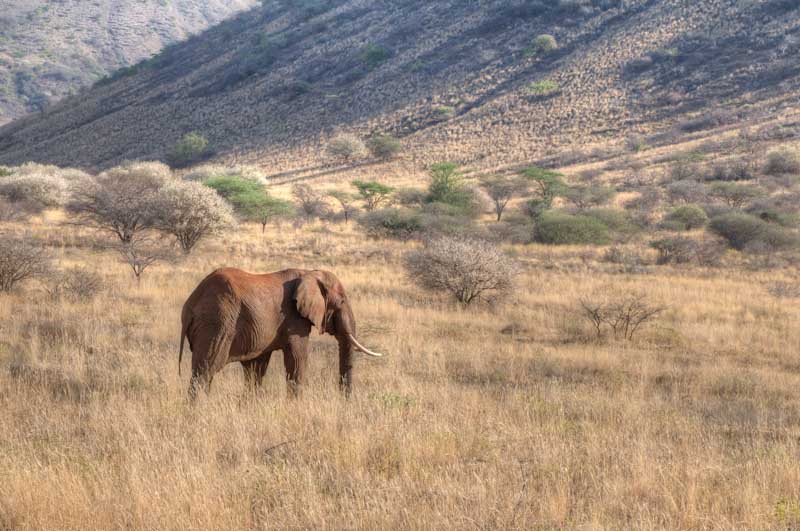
[[51, 49], [455, 80]]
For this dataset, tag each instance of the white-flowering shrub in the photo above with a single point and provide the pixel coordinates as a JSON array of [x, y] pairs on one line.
[[346, 147], [469, 270], [122, 200], [43, 190], [191, 211]]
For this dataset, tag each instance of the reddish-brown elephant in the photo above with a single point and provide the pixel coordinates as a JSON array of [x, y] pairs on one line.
[[235, 316]]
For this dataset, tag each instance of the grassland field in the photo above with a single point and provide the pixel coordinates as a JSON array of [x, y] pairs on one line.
[[509, 416]]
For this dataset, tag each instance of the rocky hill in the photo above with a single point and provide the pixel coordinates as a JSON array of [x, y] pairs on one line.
[[489, 83], [49, 49]]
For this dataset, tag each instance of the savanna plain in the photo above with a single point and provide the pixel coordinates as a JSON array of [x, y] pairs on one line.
[[508, 416]]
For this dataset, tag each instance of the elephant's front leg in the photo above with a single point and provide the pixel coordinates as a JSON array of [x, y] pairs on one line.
[[254, 370], [295, 359]]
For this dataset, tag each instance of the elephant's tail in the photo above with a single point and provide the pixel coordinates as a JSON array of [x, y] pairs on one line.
[[184, 331]]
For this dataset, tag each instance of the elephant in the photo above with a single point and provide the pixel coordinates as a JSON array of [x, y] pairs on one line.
[[236, 316]]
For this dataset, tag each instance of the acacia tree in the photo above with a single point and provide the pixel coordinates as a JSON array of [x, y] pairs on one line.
[[122, 200], [141, 252], [21, 260], [502, 189], [190, 212], [373, 193], [547, 185], [260, 207], [345, 201]]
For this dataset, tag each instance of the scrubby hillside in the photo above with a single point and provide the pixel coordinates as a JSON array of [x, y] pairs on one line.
[[454, 80], [51, 49]]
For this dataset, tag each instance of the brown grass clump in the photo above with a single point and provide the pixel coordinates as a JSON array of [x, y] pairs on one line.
[[510, 417]]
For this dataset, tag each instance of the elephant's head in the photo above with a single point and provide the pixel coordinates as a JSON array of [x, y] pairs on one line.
[[321, 299]]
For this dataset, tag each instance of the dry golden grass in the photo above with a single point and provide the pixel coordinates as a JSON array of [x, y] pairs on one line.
[[489, 418]]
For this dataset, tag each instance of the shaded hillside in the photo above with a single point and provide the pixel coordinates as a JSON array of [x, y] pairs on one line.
[[454, 80], [51, 49]]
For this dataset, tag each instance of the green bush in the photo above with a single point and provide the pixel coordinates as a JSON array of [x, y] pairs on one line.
[[744, 231], [560, 228], [782, 161], [396, 223], [544, 88], [686, 217], [190, 149], [541, 45], [384, 146], [615, 220], [374, 55]]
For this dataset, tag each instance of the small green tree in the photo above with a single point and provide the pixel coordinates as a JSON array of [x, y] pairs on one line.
[[447, 186], [734, 195], [260, 207], [345, 201], [546, 185], [373, 193], [384, 147], [189, 149], [232, 185]]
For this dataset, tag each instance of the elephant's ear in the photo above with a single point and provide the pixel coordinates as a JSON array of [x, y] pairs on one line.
[[310, 301]]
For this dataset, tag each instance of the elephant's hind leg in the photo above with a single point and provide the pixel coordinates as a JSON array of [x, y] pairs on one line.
[[211, 352]]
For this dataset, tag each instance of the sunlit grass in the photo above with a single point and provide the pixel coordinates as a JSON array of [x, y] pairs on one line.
[[511, 417]]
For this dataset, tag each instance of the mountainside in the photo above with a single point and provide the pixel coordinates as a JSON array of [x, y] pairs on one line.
[[49, 49], [455, 80]]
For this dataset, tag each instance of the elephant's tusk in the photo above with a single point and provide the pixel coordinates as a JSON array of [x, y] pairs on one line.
[[362, 348]]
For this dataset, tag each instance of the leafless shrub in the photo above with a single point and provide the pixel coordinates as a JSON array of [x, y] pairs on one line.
[[311, 203], [142, 251], [191, 211], [469, 270], [624, 316], [21, 260], [75, 284], [123, 200]]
